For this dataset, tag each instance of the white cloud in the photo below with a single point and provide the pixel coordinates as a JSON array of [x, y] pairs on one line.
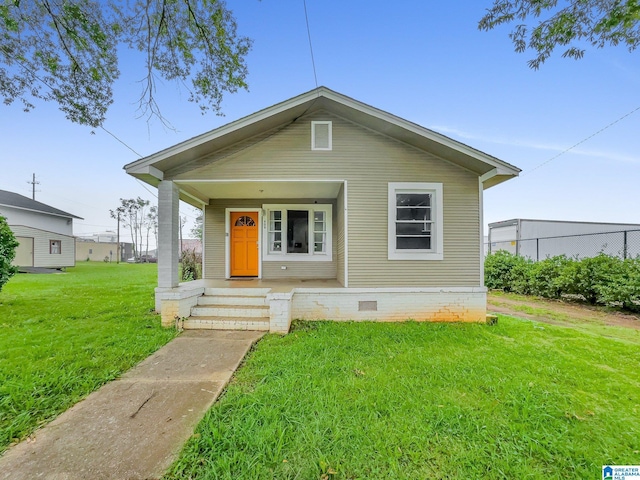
[[515, 142]]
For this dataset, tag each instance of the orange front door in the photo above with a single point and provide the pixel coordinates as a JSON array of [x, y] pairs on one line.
[[244, 244]]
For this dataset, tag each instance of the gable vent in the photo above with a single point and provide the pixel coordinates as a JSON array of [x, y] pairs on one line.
[[320, 135]]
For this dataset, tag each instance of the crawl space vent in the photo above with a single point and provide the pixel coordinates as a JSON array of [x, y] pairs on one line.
[[368, 306]]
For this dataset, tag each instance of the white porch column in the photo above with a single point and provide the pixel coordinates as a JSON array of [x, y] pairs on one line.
[[168, 226]]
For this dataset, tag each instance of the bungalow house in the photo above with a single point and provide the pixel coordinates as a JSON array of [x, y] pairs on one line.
[[323, 207], [44, 233]]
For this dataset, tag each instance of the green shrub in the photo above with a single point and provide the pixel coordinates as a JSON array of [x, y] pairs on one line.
[[191, 264], [591, 277], [520, 276], [508, 272], [545, 280], [623, 285], [8, 244], [603, 279]]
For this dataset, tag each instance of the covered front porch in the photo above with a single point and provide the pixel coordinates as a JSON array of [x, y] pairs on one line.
[[262, 229], [262, 241]]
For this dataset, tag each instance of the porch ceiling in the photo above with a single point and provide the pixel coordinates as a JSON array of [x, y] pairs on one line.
[[260, 189]]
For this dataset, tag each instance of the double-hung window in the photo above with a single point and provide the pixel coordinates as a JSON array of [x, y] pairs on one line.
[[298, 232], [415, 221]]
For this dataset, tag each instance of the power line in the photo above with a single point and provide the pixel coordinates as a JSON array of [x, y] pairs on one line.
[[306, 17], [121, 141], [145, 187], [582, 141]]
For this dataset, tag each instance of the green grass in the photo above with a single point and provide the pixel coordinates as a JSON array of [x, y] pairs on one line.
[[64, 335], [422, 400], [591, 321]]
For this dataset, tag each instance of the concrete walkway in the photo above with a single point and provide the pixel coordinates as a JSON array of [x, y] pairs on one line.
[[134, 427]]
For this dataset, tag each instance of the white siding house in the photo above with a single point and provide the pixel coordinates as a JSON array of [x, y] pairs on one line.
[[44, 233]]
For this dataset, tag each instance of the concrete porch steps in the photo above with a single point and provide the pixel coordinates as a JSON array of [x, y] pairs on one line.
[[226, 323], [230, 309], [249, 311]]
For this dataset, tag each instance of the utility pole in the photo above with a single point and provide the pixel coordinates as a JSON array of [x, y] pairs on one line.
[[33, 186], [118, 248]]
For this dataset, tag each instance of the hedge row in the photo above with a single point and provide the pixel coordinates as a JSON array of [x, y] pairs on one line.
[[601, 280]]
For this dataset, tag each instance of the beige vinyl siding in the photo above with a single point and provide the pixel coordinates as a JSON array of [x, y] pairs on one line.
[[215, 243], [41, 255], [301, 270], [368, 161], [96, 251]]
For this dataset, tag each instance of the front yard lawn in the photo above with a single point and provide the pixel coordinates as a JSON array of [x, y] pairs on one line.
[[420, 400], [64, 335]]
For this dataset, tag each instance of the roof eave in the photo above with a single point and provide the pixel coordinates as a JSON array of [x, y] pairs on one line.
[[497, 176], [44, 212], [205, 138], [150, 169]]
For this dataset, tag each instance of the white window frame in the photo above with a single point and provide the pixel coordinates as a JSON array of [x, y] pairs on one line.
[[283, 256], [436, 250], [313, 135], [58, 247]]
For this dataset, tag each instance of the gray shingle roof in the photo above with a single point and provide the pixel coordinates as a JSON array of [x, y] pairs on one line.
[[11, 199]]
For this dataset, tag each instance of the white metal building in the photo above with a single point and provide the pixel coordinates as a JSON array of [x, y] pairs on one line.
[[539, 239], [44, 233]]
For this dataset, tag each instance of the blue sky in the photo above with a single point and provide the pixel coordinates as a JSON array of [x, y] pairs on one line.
[[423, 61]]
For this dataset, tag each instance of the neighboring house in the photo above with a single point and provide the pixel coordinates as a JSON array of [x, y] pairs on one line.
[[334, 209], [44, 233], [539, 239], [91, 250], [107, 246]]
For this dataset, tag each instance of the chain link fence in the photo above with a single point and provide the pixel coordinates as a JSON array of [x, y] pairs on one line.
[[622, 244]]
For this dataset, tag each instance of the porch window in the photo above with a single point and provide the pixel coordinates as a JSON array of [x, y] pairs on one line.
[[275, 231], [298, 232], [415, 221], [319, 232]]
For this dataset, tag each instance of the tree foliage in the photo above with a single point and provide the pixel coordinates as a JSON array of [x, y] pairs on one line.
[[543, 25], [133, 214], [196, 231], [67, 51], [151, 224], [8, 244]]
